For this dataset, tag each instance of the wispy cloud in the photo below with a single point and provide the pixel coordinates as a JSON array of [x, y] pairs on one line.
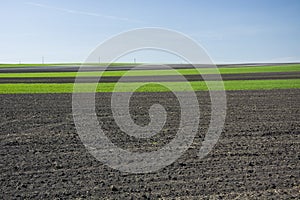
[[208, 35], [78, 12]]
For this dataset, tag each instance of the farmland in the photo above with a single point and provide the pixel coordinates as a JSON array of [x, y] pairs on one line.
[[149, 87], [61, 81], [256, 156], [238, 70]]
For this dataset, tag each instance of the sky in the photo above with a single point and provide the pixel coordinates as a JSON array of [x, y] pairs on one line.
[[231, 31]]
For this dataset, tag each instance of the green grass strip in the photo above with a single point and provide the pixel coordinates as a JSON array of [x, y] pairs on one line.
[[18, 88], [239, 70]]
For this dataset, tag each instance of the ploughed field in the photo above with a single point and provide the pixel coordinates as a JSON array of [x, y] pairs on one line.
[[257, 155]]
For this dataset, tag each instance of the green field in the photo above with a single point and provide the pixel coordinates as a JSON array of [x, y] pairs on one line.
[[149, 87], [237, 70]]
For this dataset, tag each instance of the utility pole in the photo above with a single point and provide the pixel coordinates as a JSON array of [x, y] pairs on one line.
[[134, 60], [99, 59]]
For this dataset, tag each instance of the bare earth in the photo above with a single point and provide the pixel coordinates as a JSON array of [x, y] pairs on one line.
[[257, 156]]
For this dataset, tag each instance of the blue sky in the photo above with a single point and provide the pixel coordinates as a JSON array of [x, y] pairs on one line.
[[231, 31]]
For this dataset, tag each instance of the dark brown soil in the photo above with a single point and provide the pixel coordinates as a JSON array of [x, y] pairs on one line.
[[257, 156]]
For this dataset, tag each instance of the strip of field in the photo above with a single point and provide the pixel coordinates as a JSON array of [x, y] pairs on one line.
[[197, 77], [119, 67], [292, 68], [149, 87]]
